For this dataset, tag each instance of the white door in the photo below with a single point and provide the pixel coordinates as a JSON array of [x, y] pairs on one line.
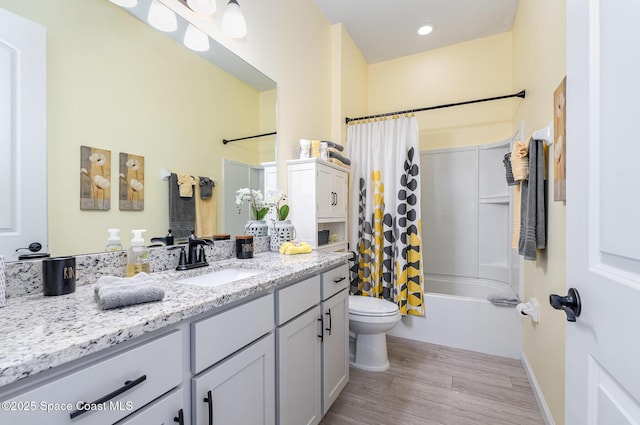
[[603, 212], [23, 154]]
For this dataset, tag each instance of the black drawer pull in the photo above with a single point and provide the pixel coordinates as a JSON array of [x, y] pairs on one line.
[[339, 279], [209, 400], [321, 336], [328, 313], [126, 387], [179, 418]]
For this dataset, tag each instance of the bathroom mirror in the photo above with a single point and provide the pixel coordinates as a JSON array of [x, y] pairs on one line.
[[116, 83]]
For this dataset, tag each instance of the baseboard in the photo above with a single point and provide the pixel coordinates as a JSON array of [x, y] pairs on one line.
[[542, 404]]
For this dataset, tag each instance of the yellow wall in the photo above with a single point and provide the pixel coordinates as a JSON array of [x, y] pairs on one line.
[[539, 54], [466, 71]]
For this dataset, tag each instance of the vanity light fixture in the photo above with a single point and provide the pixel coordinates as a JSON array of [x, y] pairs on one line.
[[202, 7], [196, 39], [426, 29], [125, 3], [161, 17], [233, 23]]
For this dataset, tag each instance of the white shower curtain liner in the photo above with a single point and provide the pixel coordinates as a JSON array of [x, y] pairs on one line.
[[384, 211]]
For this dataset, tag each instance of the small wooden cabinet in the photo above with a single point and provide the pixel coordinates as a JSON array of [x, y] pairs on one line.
[[318, 198]]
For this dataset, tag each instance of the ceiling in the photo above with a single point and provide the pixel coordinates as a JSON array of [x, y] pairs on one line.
[[386, 29]]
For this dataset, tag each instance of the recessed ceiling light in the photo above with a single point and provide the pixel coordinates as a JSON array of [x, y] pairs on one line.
[[425, 29]]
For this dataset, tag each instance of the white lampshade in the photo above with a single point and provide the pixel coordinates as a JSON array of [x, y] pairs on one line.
[[161, 17], [203, 7], [233, 23], [125, 3], [196, 39]]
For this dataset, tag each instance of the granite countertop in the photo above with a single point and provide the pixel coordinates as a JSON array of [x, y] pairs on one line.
[[40, 332]]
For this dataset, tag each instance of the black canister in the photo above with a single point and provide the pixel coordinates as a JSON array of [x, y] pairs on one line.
[[244, 246], [59, 275]]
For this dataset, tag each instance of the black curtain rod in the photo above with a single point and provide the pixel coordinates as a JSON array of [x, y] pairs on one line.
[[409, 111], [225, 141]]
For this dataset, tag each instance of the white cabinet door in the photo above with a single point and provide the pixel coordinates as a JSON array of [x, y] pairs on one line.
[[335, 347], [324, 177], [23, 136], [168, 409], [339, 194], [299, 371], [240, 390]]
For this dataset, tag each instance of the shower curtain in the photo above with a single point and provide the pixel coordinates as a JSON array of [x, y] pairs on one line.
[[384, 211]]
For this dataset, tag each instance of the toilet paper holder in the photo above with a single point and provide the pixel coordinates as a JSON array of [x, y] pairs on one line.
[[530, 309]]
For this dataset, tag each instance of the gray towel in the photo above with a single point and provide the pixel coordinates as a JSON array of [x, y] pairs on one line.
[[182, 211], [113, 292], [336, 155], [334, 145], [507, 167], [206, 187], [533, 229]]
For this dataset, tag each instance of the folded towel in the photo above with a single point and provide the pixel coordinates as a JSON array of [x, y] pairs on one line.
[[506, 161], [335, 161], [503, 301], [113, 292], [291, 248], [206, 187], [186, 182], [205, 212], [334, 145], [336, 155], [520, 161], [182, 211], [533, 229]]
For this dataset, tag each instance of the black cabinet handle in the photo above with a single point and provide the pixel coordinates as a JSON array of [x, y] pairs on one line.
[[209, 400], [339, 279], [321, 336], [179, 418], [126, 387], [328, 313], [570, 304]]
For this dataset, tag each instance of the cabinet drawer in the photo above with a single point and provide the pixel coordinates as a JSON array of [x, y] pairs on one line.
[[163, 411], [144, 372], [217, 337], [335, 280], [297, 298]]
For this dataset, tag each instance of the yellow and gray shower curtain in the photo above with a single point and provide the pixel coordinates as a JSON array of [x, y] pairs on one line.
[[384, 211]]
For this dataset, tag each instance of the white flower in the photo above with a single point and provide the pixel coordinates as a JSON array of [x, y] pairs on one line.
[[98, 158], [101, 182], [134, 164], [136, 185]]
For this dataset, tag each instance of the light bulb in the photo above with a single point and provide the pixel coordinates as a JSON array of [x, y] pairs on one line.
[[233, 23], [125, 3], [425, 29], [203, 7], [161, 17], [196, 39]]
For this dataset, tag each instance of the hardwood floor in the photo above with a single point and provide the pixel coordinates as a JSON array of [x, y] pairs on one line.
[[434, 385]]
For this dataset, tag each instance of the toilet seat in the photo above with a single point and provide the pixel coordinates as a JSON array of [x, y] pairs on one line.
[[372, 307]]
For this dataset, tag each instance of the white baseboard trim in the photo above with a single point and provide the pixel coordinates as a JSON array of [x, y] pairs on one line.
[[542, 404]]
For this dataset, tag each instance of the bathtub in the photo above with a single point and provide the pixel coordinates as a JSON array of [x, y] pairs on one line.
[[457, 314]]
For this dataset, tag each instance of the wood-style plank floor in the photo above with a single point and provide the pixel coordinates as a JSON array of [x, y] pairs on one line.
[[430, 384]]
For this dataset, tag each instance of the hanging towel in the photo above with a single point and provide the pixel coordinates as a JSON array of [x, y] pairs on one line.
[[186, 182], [205, 211], [113, 292], [517, 204], [506, 161], [520, 161], [533, 232], [182, 211], [336, 155], [206, 187]]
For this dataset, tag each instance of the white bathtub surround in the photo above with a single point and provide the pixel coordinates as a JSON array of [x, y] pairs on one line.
[[464, 318], [385, 203]]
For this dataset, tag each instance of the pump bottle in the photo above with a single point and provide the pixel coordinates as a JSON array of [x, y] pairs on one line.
[[113, 242], [137, 255]]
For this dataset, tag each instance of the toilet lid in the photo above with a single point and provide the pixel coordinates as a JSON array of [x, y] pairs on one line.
[[370, 306]]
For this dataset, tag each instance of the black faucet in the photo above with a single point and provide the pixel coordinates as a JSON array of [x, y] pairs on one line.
[[194, 259]]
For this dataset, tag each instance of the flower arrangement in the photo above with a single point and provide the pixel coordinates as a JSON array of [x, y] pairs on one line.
[[278, 200], [259, 207]]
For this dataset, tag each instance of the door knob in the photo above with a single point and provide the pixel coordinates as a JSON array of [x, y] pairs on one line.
[[570, 304]]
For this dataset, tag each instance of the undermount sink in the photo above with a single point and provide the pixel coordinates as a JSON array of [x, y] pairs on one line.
[[220, 277]]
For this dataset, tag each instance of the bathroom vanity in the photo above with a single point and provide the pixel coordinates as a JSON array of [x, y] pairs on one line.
[[259, 350]]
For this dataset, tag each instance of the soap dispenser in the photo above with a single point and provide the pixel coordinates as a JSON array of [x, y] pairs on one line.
[[113, 242], [138, 254]]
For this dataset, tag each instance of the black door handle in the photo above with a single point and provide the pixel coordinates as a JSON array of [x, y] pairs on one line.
[[179, 418], [209, 400], [570, 304], [328, 313]]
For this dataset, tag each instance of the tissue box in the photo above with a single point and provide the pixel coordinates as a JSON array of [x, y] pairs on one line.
[[2, 282]]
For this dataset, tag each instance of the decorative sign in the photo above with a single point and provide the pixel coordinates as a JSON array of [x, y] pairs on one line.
[[131, 182], [559, 125], [95, 178]]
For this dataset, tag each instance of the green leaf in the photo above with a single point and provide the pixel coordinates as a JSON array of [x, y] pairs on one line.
[[283, 213], [260, 213]]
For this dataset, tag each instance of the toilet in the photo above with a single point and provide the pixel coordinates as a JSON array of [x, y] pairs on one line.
[[369, 320]]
